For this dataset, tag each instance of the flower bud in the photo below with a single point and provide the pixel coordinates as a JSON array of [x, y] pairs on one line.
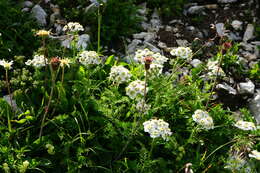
[[148, 60], [55, 62]]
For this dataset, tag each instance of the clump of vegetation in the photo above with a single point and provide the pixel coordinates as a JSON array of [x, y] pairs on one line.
[[167, 8], [88, 112], [17, 37]]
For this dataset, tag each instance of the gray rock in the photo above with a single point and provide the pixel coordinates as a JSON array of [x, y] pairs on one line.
[[195, 62], [242, 61], [182, 43], [234, 37], [175, 21], [131, 48], [190, 28], [145, 25], [252, 64], [151, 47], [83, 41], [220, 28], [254, 106], [27, 4], [249, 56], [162, 45], [211, 6], [175, 29], [249, 33], [246, 87], [147, 36], [143, 10], [196, 10], [168, 28], [39, 14], [26, 9], [12, 103], [226, 1], [257, 43], [226, 88], [247, 47], [236, 24]]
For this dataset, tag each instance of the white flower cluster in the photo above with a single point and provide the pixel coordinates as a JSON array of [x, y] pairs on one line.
[[245, 125], [73, 27], [37, 61], [157, 59], [119, 74], [142, 107], [157, 128], [7, 65], [214, 70], [135, 90], [203, 119], [255, 154], [156, 68], [182, 52], [89, 57]]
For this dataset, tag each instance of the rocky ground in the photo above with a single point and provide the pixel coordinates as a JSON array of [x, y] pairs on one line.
[[201, 21]]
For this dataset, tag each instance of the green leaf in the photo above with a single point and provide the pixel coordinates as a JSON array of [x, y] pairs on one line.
[[110, 60]]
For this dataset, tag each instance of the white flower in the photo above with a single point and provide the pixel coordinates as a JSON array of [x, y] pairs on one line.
[[7, 65], [156, 68], [214, 69], [255, 154], [119, 74], [157, 128], [182, 52], [245, 125], [89, 57], [203, 119], [142, 107], [65, 62], [37, 61], [157, 57], [135, 90], [73, 27]]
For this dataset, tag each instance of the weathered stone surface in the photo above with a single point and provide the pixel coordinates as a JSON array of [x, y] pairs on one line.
[[226, 88], [249, 33], [39, 14], [236, 24], [246, 87], [254, 106]]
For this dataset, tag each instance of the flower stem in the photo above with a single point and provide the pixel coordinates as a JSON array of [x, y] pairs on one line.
[[99, 29], [11, 101], [49, 101], [136, 122], [8, 87], [215, 80]]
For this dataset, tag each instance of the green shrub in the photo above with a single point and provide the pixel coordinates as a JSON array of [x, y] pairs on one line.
[[16, 28], [167, 8]]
